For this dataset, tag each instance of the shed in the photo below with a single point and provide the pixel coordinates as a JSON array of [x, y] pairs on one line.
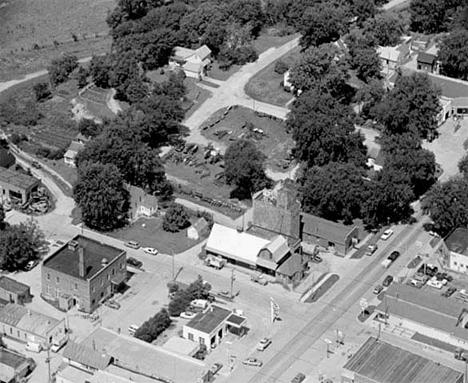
[[198, 229], [426, 62], [13, 291]]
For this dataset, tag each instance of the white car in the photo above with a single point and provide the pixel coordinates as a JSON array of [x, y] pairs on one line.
[[386, 234], [150, 250], [188, 315]]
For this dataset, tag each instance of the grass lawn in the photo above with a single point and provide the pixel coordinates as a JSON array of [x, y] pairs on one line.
[[266, 85], [195, 96], [266, 41], [275, 145], [220, 74], [61, 168], [148, 232]]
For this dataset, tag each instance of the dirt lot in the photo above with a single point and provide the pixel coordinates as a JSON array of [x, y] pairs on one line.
[[274, 142], [32, 32], [266, 85]]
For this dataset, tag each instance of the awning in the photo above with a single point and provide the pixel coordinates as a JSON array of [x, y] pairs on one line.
[[236, 321]]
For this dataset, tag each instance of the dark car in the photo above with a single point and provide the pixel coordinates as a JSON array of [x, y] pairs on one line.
[[387, 281], [316, 259], [134, 262], [394, 256], [449, 292], [298, 378], [36, 165]]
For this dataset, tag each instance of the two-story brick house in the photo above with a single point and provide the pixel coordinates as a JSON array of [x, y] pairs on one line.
[[83, 272]]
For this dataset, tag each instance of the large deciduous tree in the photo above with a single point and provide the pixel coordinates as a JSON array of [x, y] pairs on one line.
[[370, 95], [367, 64], [428, 16], [453, 54], [61, 68], [447, 203], [101, 195], [323, 131], [245, 168], [176, 218], [387, 28], [411, 106], [334, 192], [322, 23]]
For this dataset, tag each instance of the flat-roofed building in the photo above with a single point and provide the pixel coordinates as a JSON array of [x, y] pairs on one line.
[[29, 326], [83, 272], [13, 366], [16, 186], [209, 327], [380, 362]]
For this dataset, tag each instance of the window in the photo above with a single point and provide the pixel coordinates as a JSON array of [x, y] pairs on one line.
[[190, 336], [57, 279], [121, 265], [76, 286], [48, 276], [108, 276], [93, 289], [113, 271], [47, 289], [201, 340]]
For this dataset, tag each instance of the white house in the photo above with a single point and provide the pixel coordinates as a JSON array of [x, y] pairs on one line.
[[142, 204], [454, 251], [392, 57], [198, 229], [194, 62]]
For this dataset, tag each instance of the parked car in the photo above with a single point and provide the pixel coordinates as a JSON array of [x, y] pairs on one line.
[[188, 315], [449, 292], [56, 347], [316, 258], [298, 378], [150, 250], [31, 265], [134, 262], [378, 289], [416, 283], [371, 249], [386, 234], [215, 368], [112, 304], [263, 344], [132, 329], [435, 283], [433, 234], [252, 362], [132, 244], [387, 281]]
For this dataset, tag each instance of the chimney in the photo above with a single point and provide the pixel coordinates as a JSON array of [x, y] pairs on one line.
[[81, 262]]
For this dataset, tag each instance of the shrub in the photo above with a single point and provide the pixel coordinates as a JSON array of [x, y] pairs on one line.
[[154, 326], [281, 67], [176, 218], [17, 138], [59, 69], [42, 91]]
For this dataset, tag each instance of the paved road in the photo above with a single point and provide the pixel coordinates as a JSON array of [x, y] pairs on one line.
[[394, 3], [314, 330]]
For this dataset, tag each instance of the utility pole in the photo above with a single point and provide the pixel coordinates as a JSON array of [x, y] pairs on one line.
[[233, 278], [48, 363]]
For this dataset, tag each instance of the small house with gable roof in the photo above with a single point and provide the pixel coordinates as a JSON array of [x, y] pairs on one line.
[[194, 62]]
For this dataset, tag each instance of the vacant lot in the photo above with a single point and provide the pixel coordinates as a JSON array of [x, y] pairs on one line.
[[32, 32], [274, 142], [266, 85], [148, 232]]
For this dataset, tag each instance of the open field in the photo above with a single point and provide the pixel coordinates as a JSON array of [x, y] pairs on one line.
[[274, 142], [266, 85], [148, 232], [29, 29]]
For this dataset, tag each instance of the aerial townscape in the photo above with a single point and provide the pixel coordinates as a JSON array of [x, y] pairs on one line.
[[233, 191]]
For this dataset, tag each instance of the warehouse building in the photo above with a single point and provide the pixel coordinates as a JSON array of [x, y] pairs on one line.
[[380, 362], [83, 272]]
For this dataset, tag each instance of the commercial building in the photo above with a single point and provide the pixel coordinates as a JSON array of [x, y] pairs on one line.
[[209, 327], [139, 360], [83, 272], [182, 346], [454, 251], [330, 235], [380, 362], [12, 291], [85, 358], [426, 313], [13, 366], [392, 57], [28, 326], [16, 186]]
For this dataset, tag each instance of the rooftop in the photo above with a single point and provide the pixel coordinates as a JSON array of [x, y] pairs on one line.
[[200, 225], [86, 356], [457, 241], [27, 320], [424, 307], [233, 244], [322, 228], [278, 248], [133, 354], [66, 260], [397, 365], [291, 266], [210, 319], [114, 374], [17, 179], [426, 58], [13, 286], [10, 359]]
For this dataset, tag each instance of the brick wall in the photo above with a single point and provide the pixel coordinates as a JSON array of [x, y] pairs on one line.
[[268, 216]]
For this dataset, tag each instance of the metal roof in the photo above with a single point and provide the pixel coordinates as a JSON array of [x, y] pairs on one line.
[[17, 179], [86, 356], [209, 320], [381, 362]]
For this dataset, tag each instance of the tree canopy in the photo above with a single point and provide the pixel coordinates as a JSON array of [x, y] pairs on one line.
[[61, 68], [324, 131], [411, 106], [428, 16], [101, 195], [367, 64], [387, 28], [453, 54], [245, 168], [176, 218]]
